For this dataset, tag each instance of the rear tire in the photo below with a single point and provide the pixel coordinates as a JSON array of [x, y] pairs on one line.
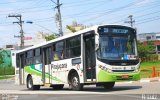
[[109, 85], [57, 87], [75, 82], [30, 85]]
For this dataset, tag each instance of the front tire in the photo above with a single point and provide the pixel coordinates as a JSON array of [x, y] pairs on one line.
[[75, 82], [30, 85], [109, 85]]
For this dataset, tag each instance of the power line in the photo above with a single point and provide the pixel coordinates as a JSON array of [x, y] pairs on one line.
[[114, 10], [16, 2], [138, 17], [86, 10], [83, 3], [80, 14], [155, 19], [138, 11], [76, 2], [30, 8]]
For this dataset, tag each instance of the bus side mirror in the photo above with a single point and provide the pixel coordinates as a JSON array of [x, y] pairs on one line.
[[96, 41]]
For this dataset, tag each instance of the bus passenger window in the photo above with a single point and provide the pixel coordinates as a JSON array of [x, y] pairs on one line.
[[55, 57], [58, 49]]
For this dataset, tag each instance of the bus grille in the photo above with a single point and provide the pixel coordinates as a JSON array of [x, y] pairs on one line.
[[122, 63], [122, 70]]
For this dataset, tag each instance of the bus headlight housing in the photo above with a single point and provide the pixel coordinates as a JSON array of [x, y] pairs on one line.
[[137, 69], [105, 69]]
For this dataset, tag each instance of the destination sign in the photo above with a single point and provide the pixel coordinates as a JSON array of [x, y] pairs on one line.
[[113, 30], [120, 31]]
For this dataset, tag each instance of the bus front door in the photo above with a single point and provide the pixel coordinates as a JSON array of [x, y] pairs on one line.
[[46, 70], [89, 58]]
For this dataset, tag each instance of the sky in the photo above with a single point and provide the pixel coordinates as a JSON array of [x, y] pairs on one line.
[[146, 14]]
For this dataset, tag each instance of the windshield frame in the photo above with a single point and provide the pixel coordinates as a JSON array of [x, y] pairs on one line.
[[130, 37]]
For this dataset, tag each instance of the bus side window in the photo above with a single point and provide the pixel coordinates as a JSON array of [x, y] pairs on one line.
[[58, 49], [55, 57], [37, 56]]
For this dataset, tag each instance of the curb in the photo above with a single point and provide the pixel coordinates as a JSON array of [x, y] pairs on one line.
[[148, 80], [156, 79]]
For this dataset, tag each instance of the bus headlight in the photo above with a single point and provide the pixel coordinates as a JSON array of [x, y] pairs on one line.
[[105, 69], [137, 69], [134, 69]]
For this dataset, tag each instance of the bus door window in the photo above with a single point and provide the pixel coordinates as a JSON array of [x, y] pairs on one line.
[[48, 55], [90, 57]]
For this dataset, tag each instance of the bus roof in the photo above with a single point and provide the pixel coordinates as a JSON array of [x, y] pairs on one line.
[[58, 39], [65, 36]]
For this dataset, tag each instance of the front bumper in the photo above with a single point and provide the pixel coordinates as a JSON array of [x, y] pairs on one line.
[[104, 76]]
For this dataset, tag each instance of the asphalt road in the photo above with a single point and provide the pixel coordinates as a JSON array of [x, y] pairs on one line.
[[121, 91], [75, 97]]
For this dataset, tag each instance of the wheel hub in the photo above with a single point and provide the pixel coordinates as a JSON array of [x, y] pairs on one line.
[[29, 84], [75, 81]]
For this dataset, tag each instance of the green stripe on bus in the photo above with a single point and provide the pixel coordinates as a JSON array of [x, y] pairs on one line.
[[31, 70]]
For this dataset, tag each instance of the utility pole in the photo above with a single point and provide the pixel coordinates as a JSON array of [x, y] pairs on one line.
[[59, 19], [20, 22], [131, 21]]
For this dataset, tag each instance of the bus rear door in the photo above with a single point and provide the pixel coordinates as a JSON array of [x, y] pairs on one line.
[[46, 70]]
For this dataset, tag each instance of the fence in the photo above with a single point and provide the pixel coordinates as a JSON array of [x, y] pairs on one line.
[[150, 72]]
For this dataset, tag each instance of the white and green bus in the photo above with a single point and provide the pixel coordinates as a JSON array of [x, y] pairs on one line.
[[100, 55]]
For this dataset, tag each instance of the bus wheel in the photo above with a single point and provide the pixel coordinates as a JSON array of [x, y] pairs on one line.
[[57, 87], [30, 85], [109, 85], [75, 83]]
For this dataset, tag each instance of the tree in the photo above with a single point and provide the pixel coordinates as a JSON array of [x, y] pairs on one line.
[[145, 49], [74, 27], [1, 58], [50, 37]]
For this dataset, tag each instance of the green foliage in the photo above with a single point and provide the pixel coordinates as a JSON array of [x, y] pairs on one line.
[[72, 29], [145, 50], [7, 70], [50, 37], [5, 58], [151, 57], [1, 58]]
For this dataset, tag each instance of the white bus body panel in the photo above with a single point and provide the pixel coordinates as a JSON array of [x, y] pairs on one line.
[[61, 70]]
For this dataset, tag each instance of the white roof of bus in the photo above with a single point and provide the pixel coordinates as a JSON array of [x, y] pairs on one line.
[[63, 37], [59, 38]]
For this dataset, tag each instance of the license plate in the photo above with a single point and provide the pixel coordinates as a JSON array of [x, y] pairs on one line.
[[124, 76]]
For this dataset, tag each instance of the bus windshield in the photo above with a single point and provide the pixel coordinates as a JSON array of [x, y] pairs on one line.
[[117, 48]]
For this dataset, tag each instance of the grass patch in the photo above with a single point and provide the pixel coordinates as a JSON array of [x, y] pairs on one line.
[[147, 73], [5, 77], [149, 64]]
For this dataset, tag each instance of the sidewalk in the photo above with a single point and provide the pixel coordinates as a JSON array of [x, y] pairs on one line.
[[155, 79], [143, 80]]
